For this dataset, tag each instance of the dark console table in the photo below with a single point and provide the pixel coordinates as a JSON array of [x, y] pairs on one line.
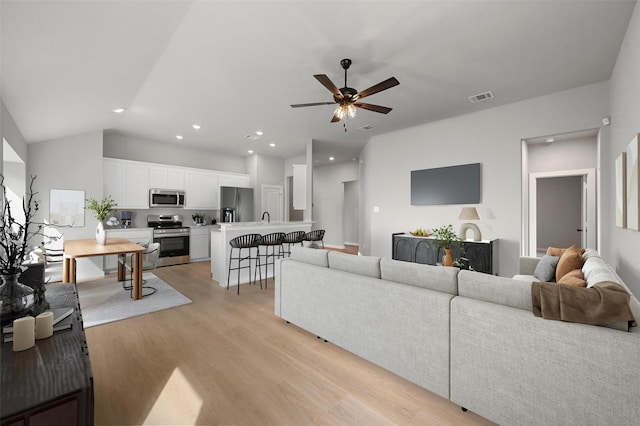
[[51, 383], [480, 254]]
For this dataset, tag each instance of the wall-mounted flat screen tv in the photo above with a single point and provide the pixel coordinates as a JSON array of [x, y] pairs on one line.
[[446, 185]]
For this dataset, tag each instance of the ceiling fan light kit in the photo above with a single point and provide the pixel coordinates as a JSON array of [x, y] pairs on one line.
[[347, 97]]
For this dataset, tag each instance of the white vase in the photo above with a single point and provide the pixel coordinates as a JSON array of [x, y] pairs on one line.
[[101, 235]]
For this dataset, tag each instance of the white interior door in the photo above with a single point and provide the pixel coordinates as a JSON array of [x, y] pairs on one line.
[[273, 201]]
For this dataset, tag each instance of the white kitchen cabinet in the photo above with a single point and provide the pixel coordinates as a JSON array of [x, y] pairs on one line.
[[127, 183], [200, 243], [142, 236], [300, 186], [163, 177], [201, 189], [230, 179]]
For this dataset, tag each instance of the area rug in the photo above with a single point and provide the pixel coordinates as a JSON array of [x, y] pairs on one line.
[[103, 300]]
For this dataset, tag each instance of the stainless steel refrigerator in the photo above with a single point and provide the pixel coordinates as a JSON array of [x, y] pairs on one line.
[[236, 204]]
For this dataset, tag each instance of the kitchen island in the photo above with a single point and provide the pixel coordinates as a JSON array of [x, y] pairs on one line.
[[220, 248]]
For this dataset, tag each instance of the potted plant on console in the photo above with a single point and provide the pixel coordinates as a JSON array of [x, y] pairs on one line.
[[447, 239], [101, 212]]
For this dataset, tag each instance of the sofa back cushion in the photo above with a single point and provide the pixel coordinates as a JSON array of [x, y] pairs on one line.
[[313, 256], [361, 265], [436, 278], [494, 289]]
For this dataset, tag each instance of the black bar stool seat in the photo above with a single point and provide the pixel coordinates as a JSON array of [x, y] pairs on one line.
[[246, 241], [317, 235], [272, 240], [295, 237]]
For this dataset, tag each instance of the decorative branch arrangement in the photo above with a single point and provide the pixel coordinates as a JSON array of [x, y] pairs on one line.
[[15, 236]]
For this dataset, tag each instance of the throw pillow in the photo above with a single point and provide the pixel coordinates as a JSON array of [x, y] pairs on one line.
[[573, 278], [546, 268], [555, 251], [571, 259]]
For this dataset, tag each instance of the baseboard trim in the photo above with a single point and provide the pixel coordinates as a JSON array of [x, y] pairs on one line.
[[347, 243], [335, 246]]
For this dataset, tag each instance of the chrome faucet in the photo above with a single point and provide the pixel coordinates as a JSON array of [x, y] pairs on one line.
[[268, 217]]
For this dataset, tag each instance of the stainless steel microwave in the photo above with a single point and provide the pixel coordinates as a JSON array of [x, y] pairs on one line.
[[166, 198]]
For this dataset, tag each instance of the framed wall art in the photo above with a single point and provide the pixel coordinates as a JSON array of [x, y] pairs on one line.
[[633, 198], [621, 190], [66, 207]]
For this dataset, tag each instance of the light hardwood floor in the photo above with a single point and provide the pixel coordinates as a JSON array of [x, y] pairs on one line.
[[227, 359]]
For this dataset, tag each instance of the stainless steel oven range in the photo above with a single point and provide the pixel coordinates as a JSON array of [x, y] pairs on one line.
[[173, 238]]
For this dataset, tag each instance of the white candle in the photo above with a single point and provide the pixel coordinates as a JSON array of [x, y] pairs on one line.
[[44, 325], [24, 336]]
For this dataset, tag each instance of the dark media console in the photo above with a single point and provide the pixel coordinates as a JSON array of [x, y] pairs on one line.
[[481, 255]]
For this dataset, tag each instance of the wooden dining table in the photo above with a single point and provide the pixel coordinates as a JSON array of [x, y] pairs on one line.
[[74, 249]]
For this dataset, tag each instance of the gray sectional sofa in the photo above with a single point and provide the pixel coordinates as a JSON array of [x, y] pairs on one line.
[[469, 337]]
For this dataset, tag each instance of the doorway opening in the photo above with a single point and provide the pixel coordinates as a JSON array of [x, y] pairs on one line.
[[560, 202]]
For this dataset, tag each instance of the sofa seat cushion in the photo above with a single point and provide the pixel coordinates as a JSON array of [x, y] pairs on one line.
[[362, 265], [312, 256], [432, 277], [527, 278]]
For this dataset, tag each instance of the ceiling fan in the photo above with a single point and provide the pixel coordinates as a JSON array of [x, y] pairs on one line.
[[348, 98]]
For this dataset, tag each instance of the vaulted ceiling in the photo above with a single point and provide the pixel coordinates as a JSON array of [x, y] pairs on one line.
[[234, 67]]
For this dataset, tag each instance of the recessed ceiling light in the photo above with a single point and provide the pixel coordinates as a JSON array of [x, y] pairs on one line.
[[272, 145], [118, 110], [549, 140], [259, 132], [250, 151], [331, 158], [179, 137], [196, 126]]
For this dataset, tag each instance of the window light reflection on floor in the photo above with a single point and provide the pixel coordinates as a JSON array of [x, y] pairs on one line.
[[178, 402]]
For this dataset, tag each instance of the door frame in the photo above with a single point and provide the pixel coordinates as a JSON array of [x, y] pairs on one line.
[[276, 188], [590, 227]]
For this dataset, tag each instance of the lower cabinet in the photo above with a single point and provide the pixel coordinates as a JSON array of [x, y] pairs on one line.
[[200, 243], [478, 255]]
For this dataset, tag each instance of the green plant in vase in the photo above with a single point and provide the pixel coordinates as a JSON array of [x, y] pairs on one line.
[[447, 239], [101, 211]]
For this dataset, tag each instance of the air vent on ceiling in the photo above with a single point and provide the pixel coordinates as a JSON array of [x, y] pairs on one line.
[[366, 128], [252, 136], [481, 97]]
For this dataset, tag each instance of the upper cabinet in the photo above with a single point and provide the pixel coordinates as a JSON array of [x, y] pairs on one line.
[[230, 179], [128, 182], [201, 190], [299, 186]]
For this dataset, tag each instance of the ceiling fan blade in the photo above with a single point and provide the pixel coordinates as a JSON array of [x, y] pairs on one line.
[[387, 84], [326, 82], [375, 108], [335, 118], [312, 104]]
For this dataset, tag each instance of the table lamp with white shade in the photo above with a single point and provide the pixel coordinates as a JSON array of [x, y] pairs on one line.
[[469, 213]]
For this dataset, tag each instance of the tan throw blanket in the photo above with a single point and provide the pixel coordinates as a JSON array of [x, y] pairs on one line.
[[604, 303]]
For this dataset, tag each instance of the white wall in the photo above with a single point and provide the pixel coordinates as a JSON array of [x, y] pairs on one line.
[[491, 137], [620, 246], [351, 212], [73, 162], [9, 131], [328, 192], [579, 153], [127, 147]]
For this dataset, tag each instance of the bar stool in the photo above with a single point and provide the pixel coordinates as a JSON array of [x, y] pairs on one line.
[[317, 235], [294, 237], [246, 241], [272, 240]]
